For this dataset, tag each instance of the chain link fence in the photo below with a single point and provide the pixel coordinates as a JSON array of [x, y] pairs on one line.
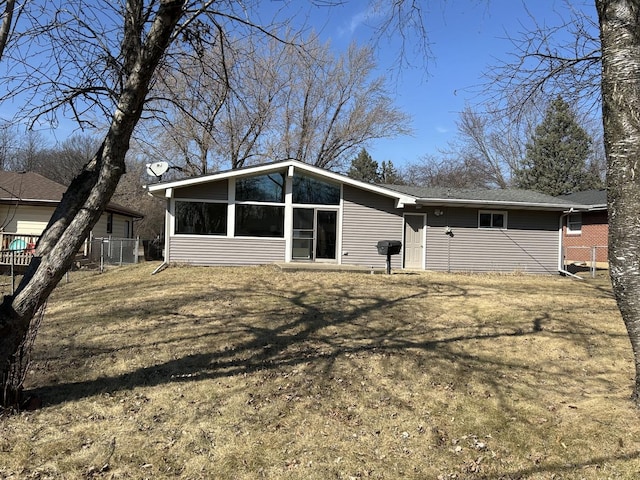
[[113, 251], [588, 258]]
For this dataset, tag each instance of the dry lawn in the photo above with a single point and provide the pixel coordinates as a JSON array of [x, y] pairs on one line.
[[249, 373]]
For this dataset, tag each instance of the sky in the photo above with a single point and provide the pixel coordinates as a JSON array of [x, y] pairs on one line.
[[466, 36]]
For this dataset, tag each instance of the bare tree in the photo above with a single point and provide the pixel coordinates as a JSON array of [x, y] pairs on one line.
[[63, 162], [121, 45], [619, 24], [8, 145], [333, 109], [6, 24], [277, 99], [444, 171], [132, 194], [599, 65], [490, 146], [30, 152], [549, 59]]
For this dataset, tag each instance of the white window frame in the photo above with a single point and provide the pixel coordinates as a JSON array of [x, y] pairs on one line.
[[571, 230], [194, 200], [493, 212]]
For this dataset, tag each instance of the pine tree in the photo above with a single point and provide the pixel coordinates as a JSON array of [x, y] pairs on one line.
[[364, 168], [556, 158], [389, 174]]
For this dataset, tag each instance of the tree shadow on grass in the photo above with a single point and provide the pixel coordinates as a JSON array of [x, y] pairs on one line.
[[300, 327], [311, 326], [558, 468]]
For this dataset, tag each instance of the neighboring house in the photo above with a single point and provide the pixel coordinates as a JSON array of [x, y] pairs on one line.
[[290, 211], [27, 201], [585, 232]]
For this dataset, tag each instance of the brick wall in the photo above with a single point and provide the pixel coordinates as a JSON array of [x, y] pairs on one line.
[[594, 233]]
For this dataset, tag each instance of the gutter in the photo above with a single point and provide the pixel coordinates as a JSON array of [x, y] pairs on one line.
[[460, 202]]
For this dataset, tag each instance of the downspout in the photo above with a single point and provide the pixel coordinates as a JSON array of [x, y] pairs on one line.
[[560, 262]]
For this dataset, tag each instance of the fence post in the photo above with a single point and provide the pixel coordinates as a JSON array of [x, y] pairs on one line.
[[101, 255], [121, 247], [593, 262], [136, 247], [13, 276]]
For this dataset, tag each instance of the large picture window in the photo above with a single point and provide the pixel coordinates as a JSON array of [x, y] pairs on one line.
[[201, 218], [492, 219], [261, 188], [259, 221], [309, 190]]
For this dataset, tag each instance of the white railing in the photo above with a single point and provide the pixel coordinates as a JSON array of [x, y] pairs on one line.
[[16, 249]]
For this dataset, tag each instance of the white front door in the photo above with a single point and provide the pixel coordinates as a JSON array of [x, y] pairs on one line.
[[414, 241]]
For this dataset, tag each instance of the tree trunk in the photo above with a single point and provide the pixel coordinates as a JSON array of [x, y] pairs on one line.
[[619, 27], [88, 195]]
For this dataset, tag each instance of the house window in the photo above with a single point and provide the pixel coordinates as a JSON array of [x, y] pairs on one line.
[[109, 222], [259, 220], [492, 219], [201, 218], [309, 190], [261, 188], [574, 224]]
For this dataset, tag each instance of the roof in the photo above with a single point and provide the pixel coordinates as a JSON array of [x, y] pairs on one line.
[[596, 199], [29, 186], [512, 197], [405, 195], [33, 188]]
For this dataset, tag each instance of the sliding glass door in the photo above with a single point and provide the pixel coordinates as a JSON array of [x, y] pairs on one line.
[[314, 234]]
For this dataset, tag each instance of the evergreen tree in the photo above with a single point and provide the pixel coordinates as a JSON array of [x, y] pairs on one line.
[[556, 158], [389, 174], [364, 168]]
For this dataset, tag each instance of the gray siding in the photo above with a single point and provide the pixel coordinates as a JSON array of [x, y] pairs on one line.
[[529, 244], [368, 218], [211, 250], [205, 191]]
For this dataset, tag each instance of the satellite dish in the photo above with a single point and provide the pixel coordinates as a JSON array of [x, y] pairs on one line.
[[157, 169]]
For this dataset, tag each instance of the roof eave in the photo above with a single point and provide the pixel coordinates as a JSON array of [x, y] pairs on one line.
[[160, 189], [460, 202]]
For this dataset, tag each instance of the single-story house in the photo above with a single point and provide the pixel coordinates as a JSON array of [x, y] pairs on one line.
[[27, 201], [585, 234], [289, 211]]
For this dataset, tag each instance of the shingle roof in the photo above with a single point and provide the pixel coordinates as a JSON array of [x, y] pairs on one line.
[[31, 187], [595, 198], [512, 196]]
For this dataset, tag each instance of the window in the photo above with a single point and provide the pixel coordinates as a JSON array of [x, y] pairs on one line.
[[308, 190], [489, 219], [574, 224], [109, 222], [259, 220], [261, 188], [201, 218]]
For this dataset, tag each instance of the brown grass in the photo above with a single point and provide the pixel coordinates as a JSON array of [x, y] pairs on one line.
[[246, 373]]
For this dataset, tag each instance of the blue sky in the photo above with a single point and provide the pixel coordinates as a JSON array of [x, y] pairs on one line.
[[466, 36]]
